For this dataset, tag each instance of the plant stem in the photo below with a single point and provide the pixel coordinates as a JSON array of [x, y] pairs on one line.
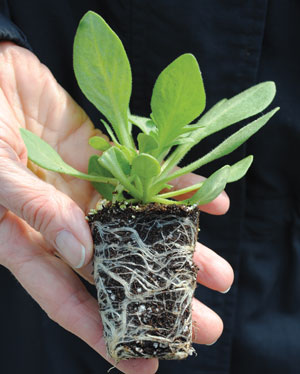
[[174, 159], [128, 186], [146, 183]]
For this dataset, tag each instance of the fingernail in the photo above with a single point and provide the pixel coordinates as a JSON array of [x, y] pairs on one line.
[[70, 248], [228, 289], [212, 343]]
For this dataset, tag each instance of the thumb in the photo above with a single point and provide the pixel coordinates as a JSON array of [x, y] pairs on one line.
[[57, 217]]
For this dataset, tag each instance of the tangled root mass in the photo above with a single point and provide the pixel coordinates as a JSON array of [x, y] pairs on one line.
[[145, 278]]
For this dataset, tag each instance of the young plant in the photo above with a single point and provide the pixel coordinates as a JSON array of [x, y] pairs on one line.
[[133, 175]]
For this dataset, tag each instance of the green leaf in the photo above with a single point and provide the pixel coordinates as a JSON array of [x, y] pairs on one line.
[[146, 143], [143, 123], [42, 154], [226, 147], [178, 97], [103, 72], [211, 187], [99, 143], [145, 166], [244, 105], [95, 168], [239, 169], [118, 157], [117, 164]]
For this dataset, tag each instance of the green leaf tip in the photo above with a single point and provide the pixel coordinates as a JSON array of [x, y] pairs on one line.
[[239, 169], [99, 143], [241, 106]]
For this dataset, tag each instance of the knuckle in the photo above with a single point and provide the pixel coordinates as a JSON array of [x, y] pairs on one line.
[[78, 299], [38, 212], [7, 151]]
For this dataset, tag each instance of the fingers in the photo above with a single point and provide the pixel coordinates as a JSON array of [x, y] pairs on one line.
[[207, 325], [47, 210], [63, 297], [218, 206], [214, 272]]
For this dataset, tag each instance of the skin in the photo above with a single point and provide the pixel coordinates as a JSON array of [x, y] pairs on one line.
[[35, 205]]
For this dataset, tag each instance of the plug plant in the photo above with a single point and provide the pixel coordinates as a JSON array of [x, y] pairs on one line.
[[144, 239]]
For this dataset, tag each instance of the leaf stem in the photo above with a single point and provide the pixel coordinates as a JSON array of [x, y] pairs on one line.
[[165, 201], [95, 178], [174, 159], [129, 187], [181, 192]]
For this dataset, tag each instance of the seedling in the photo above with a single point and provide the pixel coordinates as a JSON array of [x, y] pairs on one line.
[[145, 297]]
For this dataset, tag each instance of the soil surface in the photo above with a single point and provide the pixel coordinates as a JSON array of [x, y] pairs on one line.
[[145, 278]]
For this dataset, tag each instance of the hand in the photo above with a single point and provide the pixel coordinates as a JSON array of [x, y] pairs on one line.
[[42, 216]]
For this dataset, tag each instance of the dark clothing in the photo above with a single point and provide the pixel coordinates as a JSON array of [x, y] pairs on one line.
[[237, 43]]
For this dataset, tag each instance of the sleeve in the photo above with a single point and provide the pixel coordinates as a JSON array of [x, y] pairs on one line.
[[8, 30]]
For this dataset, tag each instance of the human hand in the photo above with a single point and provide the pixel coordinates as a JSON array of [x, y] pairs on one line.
[[33, 214]]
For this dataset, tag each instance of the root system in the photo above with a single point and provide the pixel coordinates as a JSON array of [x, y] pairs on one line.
[[145, 278]]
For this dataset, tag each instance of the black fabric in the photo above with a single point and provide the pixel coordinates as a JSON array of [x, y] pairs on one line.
[[8, 30], [237, 43]]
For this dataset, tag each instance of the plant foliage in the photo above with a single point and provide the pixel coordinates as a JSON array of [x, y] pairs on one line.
[[144, 169]]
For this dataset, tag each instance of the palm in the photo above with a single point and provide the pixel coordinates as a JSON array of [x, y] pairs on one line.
[[34, 100], [65, 126]]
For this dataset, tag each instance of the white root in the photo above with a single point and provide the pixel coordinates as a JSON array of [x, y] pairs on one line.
[[145, 278]]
